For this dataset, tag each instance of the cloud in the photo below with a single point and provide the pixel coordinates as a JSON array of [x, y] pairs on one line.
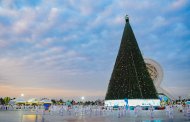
[[183, 92], [179, 4], [3, 44], [159, 21]]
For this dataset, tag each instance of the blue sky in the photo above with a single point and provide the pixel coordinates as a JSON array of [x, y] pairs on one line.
[[68, 48]]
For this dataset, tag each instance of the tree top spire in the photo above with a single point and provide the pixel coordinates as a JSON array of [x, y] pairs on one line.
[[127, 18]]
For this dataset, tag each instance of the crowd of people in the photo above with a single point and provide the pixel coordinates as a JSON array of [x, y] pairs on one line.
[[97, 110]]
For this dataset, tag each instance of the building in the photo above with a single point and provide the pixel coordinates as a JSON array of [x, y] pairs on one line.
[[156, 73]]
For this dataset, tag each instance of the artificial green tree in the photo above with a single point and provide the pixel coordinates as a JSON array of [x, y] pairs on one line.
[[130, 78]]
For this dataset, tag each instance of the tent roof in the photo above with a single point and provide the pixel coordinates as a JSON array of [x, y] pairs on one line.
[[33, 100], [46, 101], [20, 100]]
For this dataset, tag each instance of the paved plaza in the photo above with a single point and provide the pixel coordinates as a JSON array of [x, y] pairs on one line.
[[31, 116]]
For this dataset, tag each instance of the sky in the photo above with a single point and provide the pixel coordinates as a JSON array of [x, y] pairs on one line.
[[67, 48]]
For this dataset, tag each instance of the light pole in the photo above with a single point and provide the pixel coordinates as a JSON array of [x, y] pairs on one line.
[[82, 98], [22, 98], [22, 95]]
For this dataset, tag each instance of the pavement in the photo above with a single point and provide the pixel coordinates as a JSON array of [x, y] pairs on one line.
[[144, 116]]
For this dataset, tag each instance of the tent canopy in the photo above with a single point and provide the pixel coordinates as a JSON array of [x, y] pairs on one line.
[[33, 100], [45, 101]]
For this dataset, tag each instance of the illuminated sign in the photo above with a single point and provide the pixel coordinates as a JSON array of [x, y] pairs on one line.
[[188, 102], [133, 102]]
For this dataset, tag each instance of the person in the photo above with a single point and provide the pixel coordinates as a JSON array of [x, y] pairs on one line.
[[167, 108], [188, 112], [128, 111], [61, 111], [136, 111], [51, 109], [184, 110], [119, 112], [76, 110], [151, 109], [171, 112], [90, 110], [37, 109], [179, 107]]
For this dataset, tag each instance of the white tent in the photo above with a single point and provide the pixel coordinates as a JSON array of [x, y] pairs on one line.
[[20, 100], [45, 101], [33, 100]]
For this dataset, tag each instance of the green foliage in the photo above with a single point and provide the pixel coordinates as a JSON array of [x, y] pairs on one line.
[[6, 100], [53, 101], [2, 102], [60, 101], [130, 78]]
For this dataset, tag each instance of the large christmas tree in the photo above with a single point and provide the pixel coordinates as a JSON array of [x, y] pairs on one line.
[[130, 78]]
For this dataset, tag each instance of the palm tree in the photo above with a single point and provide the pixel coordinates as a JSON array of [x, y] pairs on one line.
[[2, 102], [6, 100]]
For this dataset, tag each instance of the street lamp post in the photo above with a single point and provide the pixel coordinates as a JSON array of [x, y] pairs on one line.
[[82, 98], [22, 95]]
